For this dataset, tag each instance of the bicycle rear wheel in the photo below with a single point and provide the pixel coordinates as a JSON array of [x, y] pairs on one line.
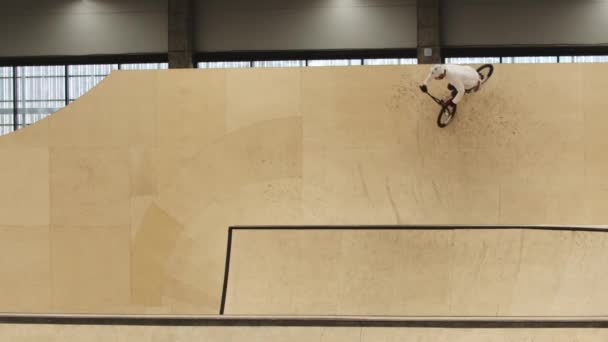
[[485, 71]]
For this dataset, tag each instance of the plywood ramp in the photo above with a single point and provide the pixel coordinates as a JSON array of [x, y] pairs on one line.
[[418, 272], [121, 202]]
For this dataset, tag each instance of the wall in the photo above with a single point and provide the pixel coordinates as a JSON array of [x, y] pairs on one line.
[[83, 27], [297, 25], [518, 22], [63, 27]]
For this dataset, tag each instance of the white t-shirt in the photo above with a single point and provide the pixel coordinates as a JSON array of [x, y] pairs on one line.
[[462, 77]]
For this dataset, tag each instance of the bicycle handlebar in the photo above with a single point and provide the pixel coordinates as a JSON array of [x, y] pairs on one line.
[[439, 102]]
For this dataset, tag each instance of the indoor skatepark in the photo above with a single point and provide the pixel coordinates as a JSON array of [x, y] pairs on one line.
[[321, 203]]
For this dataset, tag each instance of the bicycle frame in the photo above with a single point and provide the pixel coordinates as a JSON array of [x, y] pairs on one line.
[[439, 101]]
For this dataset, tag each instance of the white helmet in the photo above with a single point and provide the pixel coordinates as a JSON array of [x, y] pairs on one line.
[[437, 70]]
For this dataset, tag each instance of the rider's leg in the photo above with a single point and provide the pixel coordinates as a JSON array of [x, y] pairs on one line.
[[475, 88], [453, 93], [452, 89]]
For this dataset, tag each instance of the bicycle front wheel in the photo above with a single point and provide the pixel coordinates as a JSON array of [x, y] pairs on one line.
[[446, 115]]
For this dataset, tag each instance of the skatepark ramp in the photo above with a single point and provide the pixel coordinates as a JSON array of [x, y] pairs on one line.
[[120, 203], [506, 271]]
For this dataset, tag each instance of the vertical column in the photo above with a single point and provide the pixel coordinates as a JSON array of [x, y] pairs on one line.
[[429, 38], [15, 99], [181, 32]]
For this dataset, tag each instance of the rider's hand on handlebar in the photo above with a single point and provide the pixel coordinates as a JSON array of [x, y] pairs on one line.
[[423, 88]]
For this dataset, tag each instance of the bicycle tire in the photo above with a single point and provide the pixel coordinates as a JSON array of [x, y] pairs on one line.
[[446, 115], [485, 71]]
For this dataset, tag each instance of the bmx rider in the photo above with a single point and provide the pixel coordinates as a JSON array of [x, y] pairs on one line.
[[461, 79]]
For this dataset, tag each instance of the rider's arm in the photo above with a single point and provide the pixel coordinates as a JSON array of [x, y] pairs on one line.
[[427, 79], [461, 90]]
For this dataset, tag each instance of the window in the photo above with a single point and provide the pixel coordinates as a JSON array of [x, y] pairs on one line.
[[281, 64], [6, 100], [545, 59], [472, 60], [81, 78], [390, 61], [583, 59], [304, 63], [334, 62], [144, 66], [40, 92], [221, 65]]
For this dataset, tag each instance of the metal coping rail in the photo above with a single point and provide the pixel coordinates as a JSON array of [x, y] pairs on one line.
[[463, 322]]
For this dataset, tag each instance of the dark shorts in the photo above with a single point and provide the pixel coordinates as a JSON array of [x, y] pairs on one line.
[[452, 89]]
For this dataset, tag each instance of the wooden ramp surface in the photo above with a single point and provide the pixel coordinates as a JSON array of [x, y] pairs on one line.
[[121, 202]]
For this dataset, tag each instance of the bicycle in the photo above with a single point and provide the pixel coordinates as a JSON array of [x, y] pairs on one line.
[[448, 110]]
